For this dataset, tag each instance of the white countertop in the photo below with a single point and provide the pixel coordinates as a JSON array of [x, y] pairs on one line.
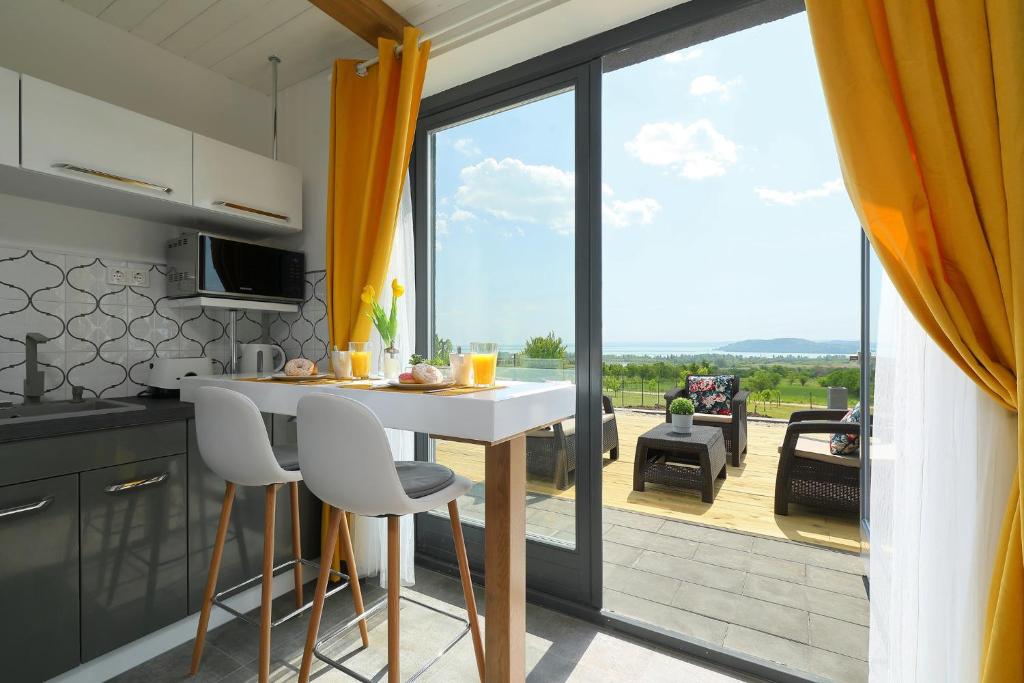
[[486, 416]]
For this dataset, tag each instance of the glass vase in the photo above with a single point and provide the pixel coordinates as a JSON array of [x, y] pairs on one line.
[[390, 362]]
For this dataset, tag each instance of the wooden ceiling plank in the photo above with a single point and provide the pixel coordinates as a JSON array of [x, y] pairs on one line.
[[368, 19]]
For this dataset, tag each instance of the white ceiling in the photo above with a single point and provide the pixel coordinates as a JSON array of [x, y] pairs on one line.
[[235, 37]]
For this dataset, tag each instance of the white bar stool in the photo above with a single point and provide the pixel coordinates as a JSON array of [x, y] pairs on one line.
[[233, 443], [347, 462]]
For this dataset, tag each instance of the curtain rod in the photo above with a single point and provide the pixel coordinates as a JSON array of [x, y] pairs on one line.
[[362, 67]]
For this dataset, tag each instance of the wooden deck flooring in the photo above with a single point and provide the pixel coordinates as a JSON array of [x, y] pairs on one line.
[[744, 501]]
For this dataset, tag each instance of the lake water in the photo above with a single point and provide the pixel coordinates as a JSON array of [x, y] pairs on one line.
[[656, 349]]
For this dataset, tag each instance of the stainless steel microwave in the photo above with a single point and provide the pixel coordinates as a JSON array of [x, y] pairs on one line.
[[200, 264]]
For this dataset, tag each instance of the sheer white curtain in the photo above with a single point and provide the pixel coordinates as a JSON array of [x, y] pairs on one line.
[[369, 536], [942, 459]]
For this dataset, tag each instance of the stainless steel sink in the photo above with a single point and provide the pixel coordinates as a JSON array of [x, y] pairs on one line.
[[57, 410]]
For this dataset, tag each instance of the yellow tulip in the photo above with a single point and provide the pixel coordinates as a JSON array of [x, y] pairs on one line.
[[369, 295], [396, 289]]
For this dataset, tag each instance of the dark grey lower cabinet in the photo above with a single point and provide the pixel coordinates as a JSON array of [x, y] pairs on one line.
[[243, 547], [134, 551], [38, 578]]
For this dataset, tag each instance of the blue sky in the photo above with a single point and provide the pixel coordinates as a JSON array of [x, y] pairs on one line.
[[724, 213]]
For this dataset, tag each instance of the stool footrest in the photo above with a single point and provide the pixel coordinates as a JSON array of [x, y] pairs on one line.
[[227, 593], [381, 606]]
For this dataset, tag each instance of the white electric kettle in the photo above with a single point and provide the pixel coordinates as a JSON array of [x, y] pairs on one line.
[[260, 358]]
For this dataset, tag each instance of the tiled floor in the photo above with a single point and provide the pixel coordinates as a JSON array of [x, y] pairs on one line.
[[558, 648], [786, 602]]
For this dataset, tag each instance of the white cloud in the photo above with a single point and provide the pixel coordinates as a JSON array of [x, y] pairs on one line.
[[534, 194], [620, 214], [515, 191], [683, 55], [710, 85], [467, 147], [695, 151], [441, 223], [794, 197]]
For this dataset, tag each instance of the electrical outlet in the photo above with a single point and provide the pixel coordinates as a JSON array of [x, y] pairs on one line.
[[117, 276], [138, 278]]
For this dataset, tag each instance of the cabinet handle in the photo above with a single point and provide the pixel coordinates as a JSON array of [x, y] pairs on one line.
[[135, 484], [261, 212], [28, 507], [117, 178]]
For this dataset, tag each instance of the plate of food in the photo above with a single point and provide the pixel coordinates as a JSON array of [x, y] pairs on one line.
[[422, 377], [300, 370]]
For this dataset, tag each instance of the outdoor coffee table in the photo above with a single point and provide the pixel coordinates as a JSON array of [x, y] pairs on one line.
[[687, 460]]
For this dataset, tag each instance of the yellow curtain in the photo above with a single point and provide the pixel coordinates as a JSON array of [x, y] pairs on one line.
[[373, 122], [927, 107]]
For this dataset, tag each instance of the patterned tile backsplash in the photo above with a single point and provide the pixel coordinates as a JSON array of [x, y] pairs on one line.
[[305, 333], [101, 336]]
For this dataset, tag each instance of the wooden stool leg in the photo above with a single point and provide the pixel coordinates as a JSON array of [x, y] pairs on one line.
[[293, 488], [268, 581], [353, 575], [467, 586], [211, 577], [394, 588], [321, 590]]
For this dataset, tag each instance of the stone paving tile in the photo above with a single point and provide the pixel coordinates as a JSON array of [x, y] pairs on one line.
[[837, 582], [690, 570], [839, 636], [836, 667], [816, 600], [632, 519], [744, 561], [762, 615], [626, 555], [680, 547], [645, 585], [695, 532], [798, 552], [663, 616], [551, 520]]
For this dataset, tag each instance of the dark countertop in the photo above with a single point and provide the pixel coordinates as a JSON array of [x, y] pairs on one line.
[[157, 410]]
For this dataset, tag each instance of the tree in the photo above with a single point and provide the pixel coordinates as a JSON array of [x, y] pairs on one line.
[[442, 348], [549, 346], [848, 377], [763, 380], [802, 377]]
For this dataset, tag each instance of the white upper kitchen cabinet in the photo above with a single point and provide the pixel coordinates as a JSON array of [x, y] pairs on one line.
[[241, 184], [67, 134], [8, 117]]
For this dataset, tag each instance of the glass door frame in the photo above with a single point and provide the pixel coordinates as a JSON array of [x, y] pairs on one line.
[[570, 577]]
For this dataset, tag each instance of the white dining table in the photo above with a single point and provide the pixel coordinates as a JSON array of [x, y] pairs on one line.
[[497, 419]]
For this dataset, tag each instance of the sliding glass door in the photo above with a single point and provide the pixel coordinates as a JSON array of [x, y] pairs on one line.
[[503, 211]]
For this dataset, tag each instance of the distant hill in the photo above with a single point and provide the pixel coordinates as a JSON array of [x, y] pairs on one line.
[[791, 345]]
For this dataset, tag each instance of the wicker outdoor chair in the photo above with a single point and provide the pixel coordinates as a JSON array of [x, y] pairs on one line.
[[808, 471], [551, 451], [734, 426]]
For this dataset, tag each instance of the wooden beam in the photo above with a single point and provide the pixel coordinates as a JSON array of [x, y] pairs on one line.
[[368, 19]]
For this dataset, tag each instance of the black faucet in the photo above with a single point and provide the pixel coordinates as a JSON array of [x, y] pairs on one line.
[[33, 387]]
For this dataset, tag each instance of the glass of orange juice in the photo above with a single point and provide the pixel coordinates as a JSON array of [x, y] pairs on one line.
[[359, 354], [485, 363]]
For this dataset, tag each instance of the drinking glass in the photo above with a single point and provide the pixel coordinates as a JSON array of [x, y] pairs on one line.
[[485, 363], [341, 364], [359, 355]]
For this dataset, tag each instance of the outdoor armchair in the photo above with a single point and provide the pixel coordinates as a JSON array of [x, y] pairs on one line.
[[734, 426], [808, 472], [551, 451]]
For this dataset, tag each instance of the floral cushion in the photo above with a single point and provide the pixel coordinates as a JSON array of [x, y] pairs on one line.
[[846, 444], [711, 394]]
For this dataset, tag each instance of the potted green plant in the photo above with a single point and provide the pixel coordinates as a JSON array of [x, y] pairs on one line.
[[682, 415]]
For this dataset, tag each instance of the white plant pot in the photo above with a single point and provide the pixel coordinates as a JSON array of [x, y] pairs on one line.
[[682, 424]]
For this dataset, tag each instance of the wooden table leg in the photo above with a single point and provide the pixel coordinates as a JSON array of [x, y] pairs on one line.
[[505, 560]]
